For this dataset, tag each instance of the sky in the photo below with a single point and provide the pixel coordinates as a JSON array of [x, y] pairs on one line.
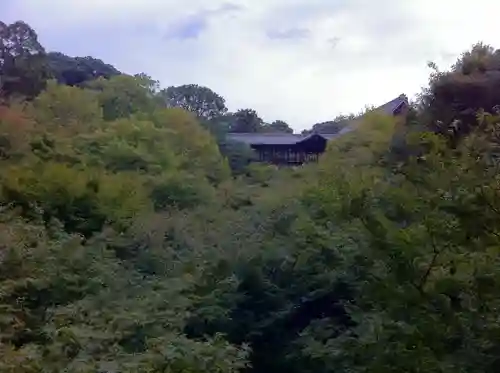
[[302, 61]]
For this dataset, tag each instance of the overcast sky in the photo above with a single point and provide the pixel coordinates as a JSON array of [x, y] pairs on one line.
[[302, 61]]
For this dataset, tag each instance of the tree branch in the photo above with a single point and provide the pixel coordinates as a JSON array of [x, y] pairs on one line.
[[427, 273]]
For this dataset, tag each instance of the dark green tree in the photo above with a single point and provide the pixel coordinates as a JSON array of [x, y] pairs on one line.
[[278, 126], [23, 64], [472, 84], [202, 101], [332, 126], [77, 70], [246, 120]]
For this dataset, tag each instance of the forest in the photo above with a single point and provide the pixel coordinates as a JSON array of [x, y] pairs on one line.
[[135, 238]]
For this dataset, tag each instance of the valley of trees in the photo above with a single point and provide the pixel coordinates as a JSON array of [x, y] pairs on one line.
[[135, 238]]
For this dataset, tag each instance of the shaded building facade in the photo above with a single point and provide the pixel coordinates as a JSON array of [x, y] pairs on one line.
[[284, 148]]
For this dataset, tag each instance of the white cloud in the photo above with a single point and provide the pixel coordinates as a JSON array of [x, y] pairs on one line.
[[381, 50]]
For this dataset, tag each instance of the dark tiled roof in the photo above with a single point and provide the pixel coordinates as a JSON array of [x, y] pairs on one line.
[[266, 138], [389, 108], [277, 138], [392, 106]]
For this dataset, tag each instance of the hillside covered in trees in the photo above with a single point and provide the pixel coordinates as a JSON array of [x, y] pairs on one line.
[[134, 238]]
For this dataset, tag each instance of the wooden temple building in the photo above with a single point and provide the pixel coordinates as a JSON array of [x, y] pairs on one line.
[[296, 149]]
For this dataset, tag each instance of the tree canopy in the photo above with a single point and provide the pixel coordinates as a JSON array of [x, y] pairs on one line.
[[202, 101], [332, 126], [278, 126], [246, 120], [77, 70], [23, 69]]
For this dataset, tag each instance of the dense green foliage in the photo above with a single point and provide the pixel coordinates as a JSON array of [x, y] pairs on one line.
[[77, 70], [332, 126], [127, 245]]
